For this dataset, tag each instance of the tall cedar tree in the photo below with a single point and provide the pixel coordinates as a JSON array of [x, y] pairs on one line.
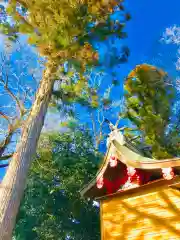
[[60, 30]]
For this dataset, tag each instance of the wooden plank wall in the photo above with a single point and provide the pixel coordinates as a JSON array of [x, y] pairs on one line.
[[154, 215]]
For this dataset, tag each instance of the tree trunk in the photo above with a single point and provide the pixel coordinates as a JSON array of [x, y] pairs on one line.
[[13, 184]]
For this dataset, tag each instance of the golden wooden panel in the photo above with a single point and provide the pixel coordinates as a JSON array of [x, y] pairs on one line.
[[150, 216]]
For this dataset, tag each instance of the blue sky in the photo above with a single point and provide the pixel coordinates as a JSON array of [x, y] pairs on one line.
[[145, 29], [149, 21]]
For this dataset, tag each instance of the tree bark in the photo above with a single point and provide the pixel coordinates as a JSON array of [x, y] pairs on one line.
[[13, 184]]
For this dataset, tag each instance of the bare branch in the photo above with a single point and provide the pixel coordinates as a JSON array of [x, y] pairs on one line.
[[12, 95], [25, 96], [16, 121], [3, 115], [93, 124], [98, 116], [99, 134]]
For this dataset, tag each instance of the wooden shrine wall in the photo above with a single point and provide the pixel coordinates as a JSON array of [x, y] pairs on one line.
[[142, 216]]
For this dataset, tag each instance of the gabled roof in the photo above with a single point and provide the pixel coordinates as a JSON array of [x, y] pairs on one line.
[[128, 155], [133, 159], [92, 184]]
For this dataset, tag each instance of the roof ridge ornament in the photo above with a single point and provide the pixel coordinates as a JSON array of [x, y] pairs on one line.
[[115, 134]]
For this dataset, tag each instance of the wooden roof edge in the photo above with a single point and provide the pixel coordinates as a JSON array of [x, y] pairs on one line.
[[152, 164], [93, 181], [145, 163], [166, 163], [144, 189]]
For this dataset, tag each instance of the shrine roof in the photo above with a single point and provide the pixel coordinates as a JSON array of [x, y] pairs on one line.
[[127, 155]]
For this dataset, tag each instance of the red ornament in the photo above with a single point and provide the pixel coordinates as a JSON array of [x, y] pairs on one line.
[[131, 171], [138, 180], [168, 173], [133, 180], [113, 161], [100, 182]]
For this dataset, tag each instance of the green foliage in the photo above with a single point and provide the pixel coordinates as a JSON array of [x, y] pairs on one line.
[[70, 124], [52, 201], [7, 27], [61, 29], [77, 90], [149, 97]]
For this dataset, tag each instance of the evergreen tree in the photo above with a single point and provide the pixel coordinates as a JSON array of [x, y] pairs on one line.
[[150, 96]]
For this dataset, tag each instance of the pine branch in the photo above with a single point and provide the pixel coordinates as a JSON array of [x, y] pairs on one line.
[[5, 157]]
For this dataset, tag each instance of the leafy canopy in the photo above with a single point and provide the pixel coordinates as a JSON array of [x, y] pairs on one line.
[[65, 30], [149, 98], [62, 29]]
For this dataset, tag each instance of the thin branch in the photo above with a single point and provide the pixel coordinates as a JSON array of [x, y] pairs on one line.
[[25, 95], [98, 116], [5, 157], [5, 142], [3, 115], [93, 124], [99, 134], [13, 96]]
